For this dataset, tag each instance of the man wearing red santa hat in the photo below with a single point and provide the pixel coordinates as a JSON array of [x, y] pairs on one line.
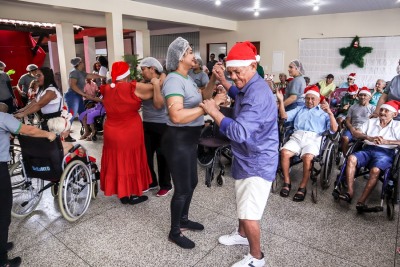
[[381, 136], [253, 132], [310, 121]]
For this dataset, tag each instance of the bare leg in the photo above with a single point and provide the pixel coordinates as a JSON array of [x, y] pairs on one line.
[[373, 179], [285, 164], [86, 127], [307, 162], [345, 144], [350, 172], [251, 230]]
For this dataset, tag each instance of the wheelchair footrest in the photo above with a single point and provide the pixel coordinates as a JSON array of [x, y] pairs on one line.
[[372, 209]]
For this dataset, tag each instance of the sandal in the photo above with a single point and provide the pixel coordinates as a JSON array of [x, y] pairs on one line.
[[285, 192], [346, 197], [361, 207], [83, 137], [300, 195]]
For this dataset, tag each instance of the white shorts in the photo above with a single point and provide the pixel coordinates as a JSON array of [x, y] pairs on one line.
[[251, 197], [303, 142]]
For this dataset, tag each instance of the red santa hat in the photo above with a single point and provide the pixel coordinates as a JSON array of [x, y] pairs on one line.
[[352, 76], [312, 89], [353, 89], [365, 90], [119, 70], [241, 55], [392, 105]]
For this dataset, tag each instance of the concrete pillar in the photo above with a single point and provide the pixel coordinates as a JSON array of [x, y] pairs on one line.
[[90, 52], [66, 48], [115, 38], [142, 43], [53, 56]]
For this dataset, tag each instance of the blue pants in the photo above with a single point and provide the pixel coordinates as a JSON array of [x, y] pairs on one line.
[[374, 156], [74, 103]]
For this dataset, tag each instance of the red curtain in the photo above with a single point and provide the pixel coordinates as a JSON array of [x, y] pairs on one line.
[[16, 52]]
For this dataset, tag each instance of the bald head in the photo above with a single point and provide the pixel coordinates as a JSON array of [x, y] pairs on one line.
[[3, 107]]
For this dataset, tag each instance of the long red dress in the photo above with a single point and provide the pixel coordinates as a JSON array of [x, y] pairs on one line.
[[124, 169]]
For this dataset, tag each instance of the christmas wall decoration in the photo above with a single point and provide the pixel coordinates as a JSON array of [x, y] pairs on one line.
[[354, 54]]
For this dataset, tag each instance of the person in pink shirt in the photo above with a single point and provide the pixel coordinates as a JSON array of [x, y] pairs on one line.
[[90, 88]]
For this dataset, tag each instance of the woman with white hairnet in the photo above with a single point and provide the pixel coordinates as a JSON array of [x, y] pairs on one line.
[[295, 88], [154, 126], [198, 75], [180, 141]]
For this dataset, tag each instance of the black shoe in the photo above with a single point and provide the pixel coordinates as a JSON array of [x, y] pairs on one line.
[[69, 139], [136, 200], [11, 262], [124, 200], [181, 241], [9, 246], [190, 225]]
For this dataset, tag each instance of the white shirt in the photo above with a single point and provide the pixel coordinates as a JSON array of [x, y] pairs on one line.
[[54, 105], [391, 132]]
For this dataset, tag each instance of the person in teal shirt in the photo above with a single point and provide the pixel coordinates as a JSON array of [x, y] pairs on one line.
[[377, 91]]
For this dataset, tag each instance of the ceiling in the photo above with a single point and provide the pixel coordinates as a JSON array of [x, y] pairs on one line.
[[244, 9]]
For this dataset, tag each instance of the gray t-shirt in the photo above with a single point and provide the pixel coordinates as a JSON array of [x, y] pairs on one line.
[[393, 90], [8, 124], [296, 87], [360, 114], [201, 78], [80, 76], [25, 81], [177, 85], [151, 114], [4, 90]]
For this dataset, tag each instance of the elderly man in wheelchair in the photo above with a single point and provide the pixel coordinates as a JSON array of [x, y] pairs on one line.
[[381, 138], [310, 121]]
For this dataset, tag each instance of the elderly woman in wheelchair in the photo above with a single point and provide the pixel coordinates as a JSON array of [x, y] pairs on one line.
[[71, 173], [310, 122], [381, 140]]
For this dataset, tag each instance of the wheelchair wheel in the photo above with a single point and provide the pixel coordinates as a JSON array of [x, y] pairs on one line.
[[15, 151], [327, 170], [390, 208], [205, 155], [95, 189], [25, 193], [75, 190], [15, 174], [82, 131]]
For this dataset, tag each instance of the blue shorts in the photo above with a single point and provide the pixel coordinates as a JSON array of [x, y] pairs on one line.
[[374, 156], [348, 134]]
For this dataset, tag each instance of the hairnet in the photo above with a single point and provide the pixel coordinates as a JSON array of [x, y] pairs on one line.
[[175, 52], [151, 62], [199, 60], [31, 67], [75, 61], [298, 65], [2, 64]]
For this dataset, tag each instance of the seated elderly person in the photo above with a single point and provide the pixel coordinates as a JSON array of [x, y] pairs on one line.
[[357, 115], [381, 136], [346, 102], [310, 121]]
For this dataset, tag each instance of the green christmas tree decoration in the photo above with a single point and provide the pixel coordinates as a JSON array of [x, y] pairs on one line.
[[354, 54]]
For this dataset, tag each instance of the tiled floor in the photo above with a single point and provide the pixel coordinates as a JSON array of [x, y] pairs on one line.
[[293, 234]]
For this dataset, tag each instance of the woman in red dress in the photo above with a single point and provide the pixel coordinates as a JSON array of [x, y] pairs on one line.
[[124, 169]]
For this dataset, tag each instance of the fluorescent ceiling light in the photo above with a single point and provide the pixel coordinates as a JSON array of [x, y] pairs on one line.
[[218, 2]]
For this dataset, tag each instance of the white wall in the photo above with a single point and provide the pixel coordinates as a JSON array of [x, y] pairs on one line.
[[283, 34]]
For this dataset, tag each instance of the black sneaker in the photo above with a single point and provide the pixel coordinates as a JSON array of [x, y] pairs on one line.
[[190, 225], [136, 200], [12, 262], [181, 241], [124, 200], [69, 139]]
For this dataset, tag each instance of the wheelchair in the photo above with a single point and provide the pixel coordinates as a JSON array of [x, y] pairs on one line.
[[73, 183], [325, 159], [211, 147], [99, 124], [389, 178]]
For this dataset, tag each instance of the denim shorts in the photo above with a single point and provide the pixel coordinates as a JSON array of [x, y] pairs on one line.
[[374, 156]]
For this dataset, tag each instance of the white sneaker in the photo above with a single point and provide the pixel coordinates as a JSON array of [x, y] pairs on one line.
[[250, 261], [233, 239]]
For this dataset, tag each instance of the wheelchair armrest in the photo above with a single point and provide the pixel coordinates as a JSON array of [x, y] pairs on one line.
[[74, 148]]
